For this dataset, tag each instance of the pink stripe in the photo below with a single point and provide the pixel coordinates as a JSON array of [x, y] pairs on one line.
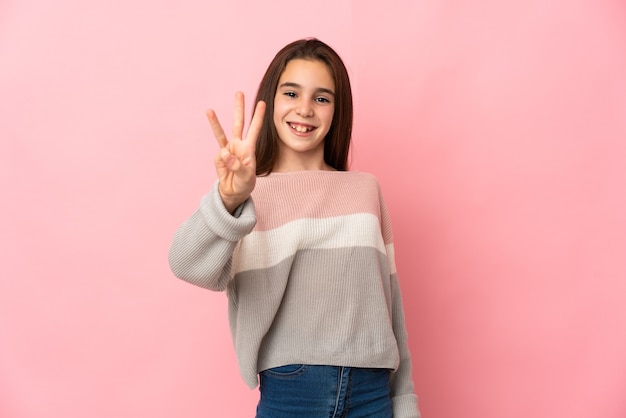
[[281, 198]]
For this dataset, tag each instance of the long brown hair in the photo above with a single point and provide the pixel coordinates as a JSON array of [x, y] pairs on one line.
[[337, 141]]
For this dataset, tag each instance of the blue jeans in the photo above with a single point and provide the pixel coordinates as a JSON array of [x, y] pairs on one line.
[[305, 391]]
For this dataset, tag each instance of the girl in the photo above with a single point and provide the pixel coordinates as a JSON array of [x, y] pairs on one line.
[[303, 249]]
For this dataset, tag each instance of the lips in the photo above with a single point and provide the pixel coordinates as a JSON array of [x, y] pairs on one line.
[[301, 128]]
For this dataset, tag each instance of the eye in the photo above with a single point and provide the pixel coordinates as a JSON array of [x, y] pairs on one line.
[[290, 94], [322, 100]]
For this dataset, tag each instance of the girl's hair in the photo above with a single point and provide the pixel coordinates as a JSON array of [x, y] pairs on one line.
[[337, 141]]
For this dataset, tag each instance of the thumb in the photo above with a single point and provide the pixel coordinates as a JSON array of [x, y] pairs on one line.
[[229, 160]]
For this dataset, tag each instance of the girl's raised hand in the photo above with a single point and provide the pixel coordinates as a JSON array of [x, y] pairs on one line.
[[236, 162]]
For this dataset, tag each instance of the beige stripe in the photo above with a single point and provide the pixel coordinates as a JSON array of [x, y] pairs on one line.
[[264, 249]]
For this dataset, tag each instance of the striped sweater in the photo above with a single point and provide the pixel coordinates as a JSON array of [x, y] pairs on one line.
[[308, 266]]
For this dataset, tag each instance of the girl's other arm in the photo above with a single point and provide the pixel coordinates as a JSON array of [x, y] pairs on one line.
[[202, 248]]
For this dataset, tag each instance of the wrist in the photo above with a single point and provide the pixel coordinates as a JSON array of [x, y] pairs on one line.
[[231, 202]]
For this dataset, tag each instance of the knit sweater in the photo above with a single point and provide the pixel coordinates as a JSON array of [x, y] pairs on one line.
[[308, 265]]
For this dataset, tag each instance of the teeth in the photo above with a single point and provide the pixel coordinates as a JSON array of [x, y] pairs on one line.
[[300, 128]]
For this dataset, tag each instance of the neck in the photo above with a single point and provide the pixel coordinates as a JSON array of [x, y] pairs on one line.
[[285, 168], [301, 162]]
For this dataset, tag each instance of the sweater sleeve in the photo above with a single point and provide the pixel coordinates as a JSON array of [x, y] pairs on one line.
[[202, 247], [402, 389]]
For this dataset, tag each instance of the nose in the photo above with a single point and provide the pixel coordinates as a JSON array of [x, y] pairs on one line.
[[304, 109]]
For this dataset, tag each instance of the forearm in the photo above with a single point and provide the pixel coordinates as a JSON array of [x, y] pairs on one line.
[[402, 388], [202, 247]]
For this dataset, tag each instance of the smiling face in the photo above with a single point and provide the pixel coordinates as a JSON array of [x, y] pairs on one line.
[[304, 105]]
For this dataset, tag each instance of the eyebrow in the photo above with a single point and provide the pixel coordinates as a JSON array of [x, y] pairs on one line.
[[298, 86]]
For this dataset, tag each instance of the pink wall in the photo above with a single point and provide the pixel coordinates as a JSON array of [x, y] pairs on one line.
[[498, 132]]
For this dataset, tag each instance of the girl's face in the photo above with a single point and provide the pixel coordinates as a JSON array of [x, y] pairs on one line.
[[304, 105]]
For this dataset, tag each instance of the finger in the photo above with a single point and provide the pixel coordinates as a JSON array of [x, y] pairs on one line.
[[256, 123], [239, 116], [217, 128], [229, 161]]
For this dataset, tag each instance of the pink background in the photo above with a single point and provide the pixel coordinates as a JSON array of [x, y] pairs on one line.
[[497, 130]]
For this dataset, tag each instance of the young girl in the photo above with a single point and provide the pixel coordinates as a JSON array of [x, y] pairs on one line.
[[303, 249]]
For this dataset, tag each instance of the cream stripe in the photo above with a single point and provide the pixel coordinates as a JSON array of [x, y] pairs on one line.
[[264, 249]]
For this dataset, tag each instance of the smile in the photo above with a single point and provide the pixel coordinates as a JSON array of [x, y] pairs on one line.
[[301, 128]]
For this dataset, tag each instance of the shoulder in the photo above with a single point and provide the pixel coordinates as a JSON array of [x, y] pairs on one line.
[[362, 180], [355, 177], [360, 175]]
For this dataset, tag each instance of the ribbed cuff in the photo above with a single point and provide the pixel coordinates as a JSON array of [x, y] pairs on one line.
[[405, 406], [221, 222]]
